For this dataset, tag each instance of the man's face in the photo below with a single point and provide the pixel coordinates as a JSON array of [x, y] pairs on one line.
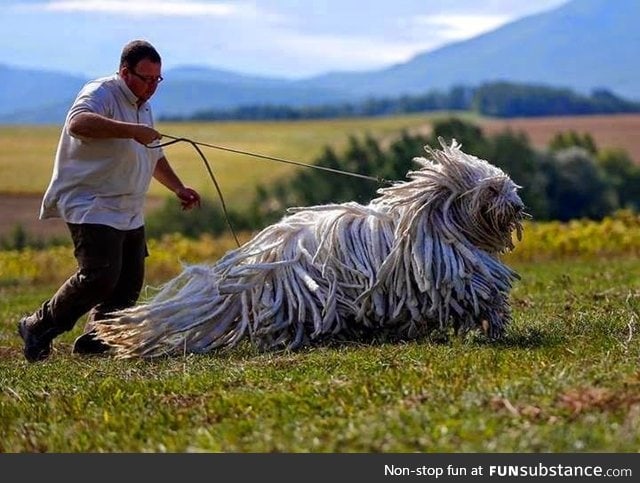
[[142, 79]]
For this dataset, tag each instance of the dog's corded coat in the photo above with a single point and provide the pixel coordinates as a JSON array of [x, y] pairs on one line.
[[422, 255]]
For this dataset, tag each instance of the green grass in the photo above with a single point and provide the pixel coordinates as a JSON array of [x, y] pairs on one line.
[[566, 378]]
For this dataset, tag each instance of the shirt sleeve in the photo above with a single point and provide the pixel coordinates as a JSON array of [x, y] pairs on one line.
[[92, 98]]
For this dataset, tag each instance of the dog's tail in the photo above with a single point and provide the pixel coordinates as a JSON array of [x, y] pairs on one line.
[[191, 313]]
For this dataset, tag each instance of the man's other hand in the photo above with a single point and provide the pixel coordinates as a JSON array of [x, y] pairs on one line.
[[188, 197]]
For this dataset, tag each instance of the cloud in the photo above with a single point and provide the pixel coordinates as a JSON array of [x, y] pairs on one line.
[[165, 8], [355, 52], [459, 27], [322, 51], [266, 37]]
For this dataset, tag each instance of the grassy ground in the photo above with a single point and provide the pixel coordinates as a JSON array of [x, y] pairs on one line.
[[565, 379]]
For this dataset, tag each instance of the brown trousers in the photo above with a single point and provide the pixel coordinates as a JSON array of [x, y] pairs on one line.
[[109, 277]]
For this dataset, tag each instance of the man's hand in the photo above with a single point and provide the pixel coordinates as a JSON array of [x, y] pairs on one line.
[[188, 197], [145, 134]]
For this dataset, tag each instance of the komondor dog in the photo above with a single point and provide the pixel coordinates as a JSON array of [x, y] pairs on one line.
[[423, 255]]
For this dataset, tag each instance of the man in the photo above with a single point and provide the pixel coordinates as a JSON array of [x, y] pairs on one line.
[[102, 171]]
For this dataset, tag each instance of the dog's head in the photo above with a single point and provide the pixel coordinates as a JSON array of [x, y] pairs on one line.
[[467, 196]]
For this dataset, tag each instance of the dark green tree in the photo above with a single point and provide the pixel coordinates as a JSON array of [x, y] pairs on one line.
[[623, 175], [578, 187], [567, 139], [468, 134]]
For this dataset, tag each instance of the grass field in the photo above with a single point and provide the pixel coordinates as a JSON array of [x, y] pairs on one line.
[[27, 153], [26, 158], [566, 378]]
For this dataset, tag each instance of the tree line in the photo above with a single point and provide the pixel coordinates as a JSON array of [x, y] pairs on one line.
[[573, 178], [498, 99]]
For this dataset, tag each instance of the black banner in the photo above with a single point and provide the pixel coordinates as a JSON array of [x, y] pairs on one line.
[[328, 468]]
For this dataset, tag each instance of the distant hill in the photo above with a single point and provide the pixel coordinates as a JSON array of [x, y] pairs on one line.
[[29, 95], [582, 45], [189, 89]]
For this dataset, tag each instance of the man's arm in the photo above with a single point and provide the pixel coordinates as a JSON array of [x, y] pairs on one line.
[[92, 125], [164, 173]]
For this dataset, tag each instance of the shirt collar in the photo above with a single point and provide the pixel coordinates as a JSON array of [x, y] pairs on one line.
[[131, 97]]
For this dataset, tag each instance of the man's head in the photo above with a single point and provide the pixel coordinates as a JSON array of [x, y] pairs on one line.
[[140, 67]]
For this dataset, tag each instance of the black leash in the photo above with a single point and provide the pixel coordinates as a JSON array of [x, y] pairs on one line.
[[196, 145]]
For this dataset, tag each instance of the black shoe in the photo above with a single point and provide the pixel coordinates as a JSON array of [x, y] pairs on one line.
[[37, 343], [89, 344]]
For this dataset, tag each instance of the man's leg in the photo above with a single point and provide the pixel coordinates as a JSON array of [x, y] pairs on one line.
[[97, 249], [125, 293]]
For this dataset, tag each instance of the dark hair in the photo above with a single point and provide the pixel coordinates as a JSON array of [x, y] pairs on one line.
[[137, 50]]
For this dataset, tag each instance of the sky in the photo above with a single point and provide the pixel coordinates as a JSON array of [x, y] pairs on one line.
[[275, 38]]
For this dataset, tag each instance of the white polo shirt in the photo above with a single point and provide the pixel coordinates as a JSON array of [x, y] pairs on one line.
[[102, 181]]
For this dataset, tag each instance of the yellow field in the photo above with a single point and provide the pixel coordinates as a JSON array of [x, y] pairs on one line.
[[27, 152]]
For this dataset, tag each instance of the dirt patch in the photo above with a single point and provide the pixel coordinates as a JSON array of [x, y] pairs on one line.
[[613, 131], [23, 210], [608, 131]]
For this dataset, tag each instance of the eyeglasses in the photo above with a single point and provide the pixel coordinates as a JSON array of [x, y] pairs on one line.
[[147, 79]]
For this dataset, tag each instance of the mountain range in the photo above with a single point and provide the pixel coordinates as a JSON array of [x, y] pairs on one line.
[[581, 45]]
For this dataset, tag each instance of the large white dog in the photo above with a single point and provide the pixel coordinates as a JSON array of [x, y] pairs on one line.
[[422, 255]]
